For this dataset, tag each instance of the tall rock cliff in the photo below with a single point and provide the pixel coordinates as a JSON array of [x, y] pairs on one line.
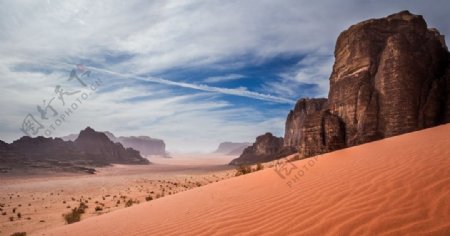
[[321, 132], [266, 148], [389, 78], [297, 118], [144, 144]]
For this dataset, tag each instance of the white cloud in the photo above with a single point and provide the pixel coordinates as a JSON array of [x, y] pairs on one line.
[[313, 69], [241, 91], [217, 79]]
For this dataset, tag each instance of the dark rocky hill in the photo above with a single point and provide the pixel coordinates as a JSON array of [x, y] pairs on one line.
[[91, 149]]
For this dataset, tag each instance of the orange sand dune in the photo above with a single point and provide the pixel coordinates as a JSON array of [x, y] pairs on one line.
[[397, 186]]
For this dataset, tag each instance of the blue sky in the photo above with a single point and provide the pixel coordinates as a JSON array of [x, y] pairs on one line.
[[190, 72]]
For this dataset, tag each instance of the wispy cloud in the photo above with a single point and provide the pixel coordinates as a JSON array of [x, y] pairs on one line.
[[312, 72], [217, 79], [202, 87]]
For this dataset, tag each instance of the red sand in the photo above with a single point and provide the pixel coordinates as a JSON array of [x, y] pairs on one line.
[[397, 186]]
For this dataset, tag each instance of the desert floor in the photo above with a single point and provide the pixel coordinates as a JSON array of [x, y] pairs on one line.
[[41, 199], [396, 186]]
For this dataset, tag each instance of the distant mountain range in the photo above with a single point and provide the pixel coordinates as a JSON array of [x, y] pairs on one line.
[[144, 144], [89, 150], [231, 148]]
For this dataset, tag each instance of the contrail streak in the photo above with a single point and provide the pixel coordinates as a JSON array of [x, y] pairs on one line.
[[201, 87]]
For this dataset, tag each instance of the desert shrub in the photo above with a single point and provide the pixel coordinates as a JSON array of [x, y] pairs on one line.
[[295, 158], [11, 218], [129, 203], [98, 208], [73, 216], [82, 208], [243, 169], [259, 166], [19, 215], [19, 234], [148, 198]]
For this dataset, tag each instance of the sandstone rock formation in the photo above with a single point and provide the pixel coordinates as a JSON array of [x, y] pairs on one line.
[[297, 117], [391, 76], [231, 148], [144, 144], [90, 149], [98, 146], [266, 148]]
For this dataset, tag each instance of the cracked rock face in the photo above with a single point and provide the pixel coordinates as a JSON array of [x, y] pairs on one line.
[[321, 132], [298, 116], [266, 148], [389, 78]]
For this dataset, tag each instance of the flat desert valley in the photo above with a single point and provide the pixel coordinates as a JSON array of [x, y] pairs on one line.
[[395, 186], [42, 199]]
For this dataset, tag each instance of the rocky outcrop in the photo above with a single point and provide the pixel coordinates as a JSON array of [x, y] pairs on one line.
[[391, 76], [231, 148], [99, 147], [321, 132], [144, 144], [266, 148], [70, 137], [90, 149], [297, 117]]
